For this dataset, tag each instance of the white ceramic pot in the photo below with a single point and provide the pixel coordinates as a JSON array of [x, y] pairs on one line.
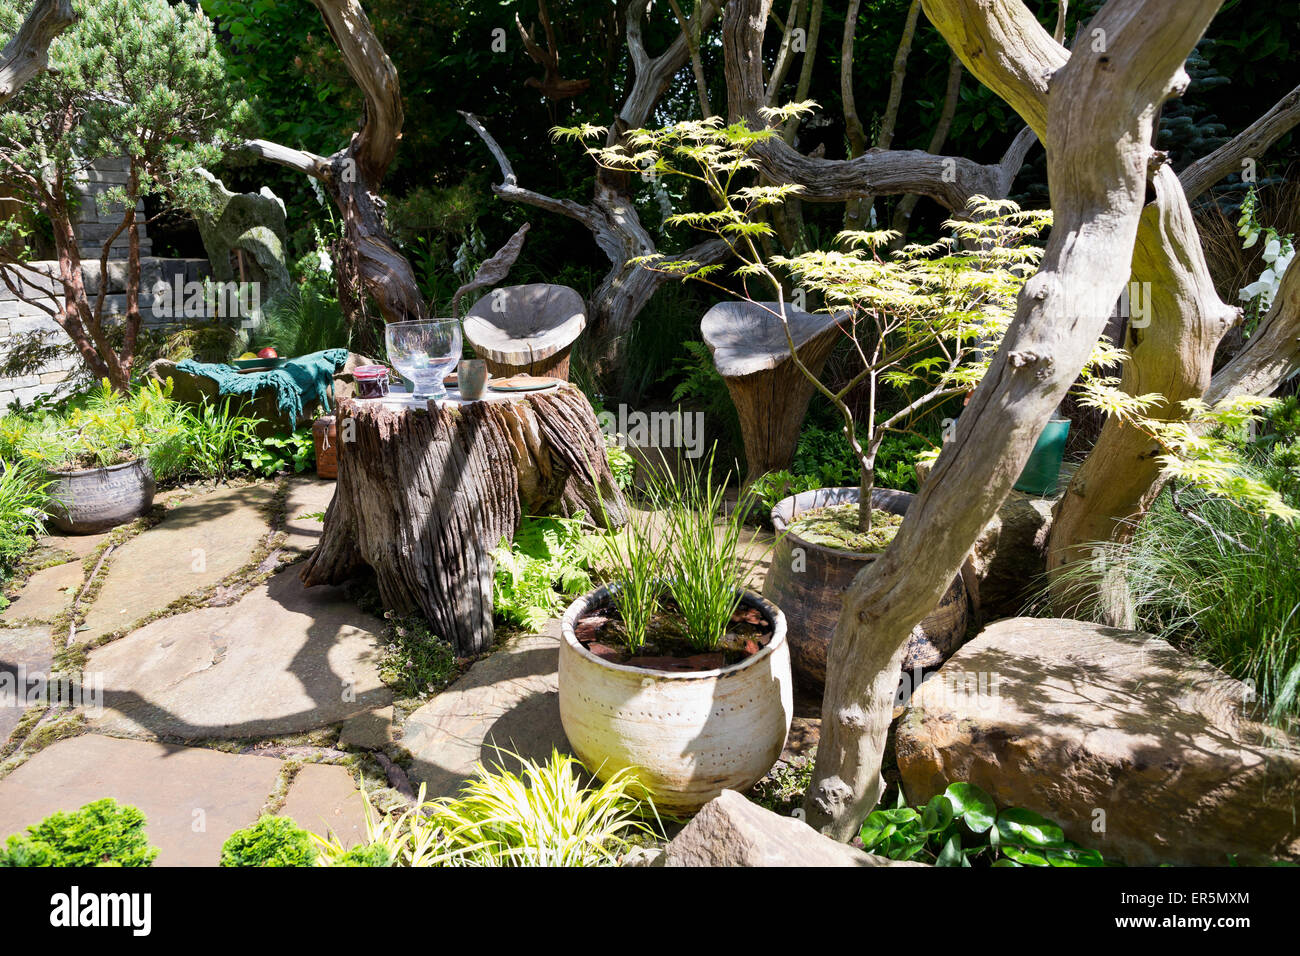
[[688, 734]]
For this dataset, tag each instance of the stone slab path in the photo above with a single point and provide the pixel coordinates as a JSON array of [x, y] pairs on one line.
[[200, 541], [24, 652], [47, 594], [324, 799], [508, 700], [76, 545], [282, 660], [306, 497], [192, 798], [278, 660]]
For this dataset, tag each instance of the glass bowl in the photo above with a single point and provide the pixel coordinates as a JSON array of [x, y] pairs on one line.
[[424, 351]]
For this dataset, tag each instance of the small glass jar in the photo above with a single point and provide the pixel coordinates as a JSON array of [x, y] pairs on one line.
[[372, 381]]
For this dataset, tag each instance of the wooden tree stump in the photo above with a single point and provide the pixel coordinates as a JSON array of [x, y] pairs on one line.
[[526, 329], [771, 395], [426, 493]]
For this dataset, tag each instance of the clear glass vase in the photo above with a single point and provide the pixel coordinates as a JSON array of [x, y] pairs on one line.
[[424, 352]]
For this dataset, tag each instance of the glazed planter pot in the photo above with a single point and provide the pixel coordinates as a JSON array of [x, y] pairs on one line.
[[808, 582], [689, 734], [96, 499]]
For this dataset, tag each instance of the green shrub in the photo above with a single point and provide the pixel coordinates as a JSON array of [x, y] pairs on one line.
[[621, 463], [370, 854], [962, 826], [825, 454], [103, 833], [294, 452], [22, 512], [271, 841], [105, 427]]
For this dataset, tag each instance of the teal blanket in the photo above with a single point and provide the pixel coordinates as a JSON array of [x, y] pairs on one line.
[[308, 378]]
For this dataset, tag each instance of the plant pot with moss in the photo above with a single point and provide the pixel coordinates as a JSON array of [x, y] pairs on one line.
[[690, 723], [818, 553]]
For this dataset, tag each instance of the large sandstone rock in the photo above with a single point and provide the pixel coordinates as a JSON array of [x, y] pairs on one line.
[[1010, 556], [1134, 747], [732, 831]]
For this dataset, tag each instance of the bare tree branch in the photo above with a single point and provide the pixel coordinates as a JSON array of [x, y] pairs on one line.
[[1250, 143], [551, 85]]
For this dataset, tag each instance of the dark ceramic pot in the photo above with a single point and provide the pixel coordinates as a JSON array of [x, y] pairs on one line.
[[807, 581], [96, 499]]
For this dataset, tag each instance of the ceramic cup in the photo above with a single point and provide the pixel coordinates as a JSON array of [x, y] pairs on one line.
[[472, 375]]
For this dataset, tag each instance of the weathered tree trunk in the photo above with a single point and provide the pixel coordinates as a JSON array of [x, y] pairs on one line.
[[751, 352], [27, 52], [353, 175], [425, 496], [1098, 121], [1273, 352], [1172, 356]]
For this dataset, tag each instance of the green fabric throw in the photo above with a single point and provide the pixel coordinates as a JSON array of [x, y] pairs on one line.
[[310, 376]]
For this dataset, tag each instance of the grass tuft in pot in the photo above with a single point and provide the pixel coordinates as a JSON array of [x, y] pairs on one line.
[[688, 546]]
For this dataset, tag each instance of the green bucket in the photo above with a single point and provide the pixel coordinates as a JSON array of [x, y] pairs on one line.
[[1043, 470]]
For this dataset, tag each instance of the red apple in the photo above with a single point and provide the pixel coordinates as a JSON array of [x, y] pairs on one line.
[[267, 353]]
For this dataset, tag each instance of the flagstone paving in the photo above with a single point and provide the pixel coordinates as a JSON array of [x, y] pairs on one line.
[[277, 660], [284, 659], [24, 653], [47, 594], [324, 799], [198, 543], [75, 545], [307, 497], [192, 798], [508, 700]]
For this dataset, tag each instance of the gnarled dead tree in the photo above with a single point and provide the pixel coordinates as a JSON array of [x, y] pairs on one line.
[[27, 52], [949, 180], [551, 85], [611, 215], [352, 176], [1098, 112]]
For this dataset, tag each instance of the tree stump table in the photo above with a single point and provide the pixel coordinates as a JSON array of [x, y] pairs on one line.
[[771, 395], [426, 492], [526, 328]]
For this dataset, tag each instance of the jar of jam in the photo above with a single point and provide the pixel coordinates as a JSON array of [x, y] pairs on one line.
[[372, 381]]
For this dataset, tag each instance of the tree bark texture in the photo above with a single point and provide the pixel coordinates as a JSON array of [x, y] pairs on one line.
[[1172, 355], [1119, 481], [27, 52], [425, 496], [1098, 122]]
